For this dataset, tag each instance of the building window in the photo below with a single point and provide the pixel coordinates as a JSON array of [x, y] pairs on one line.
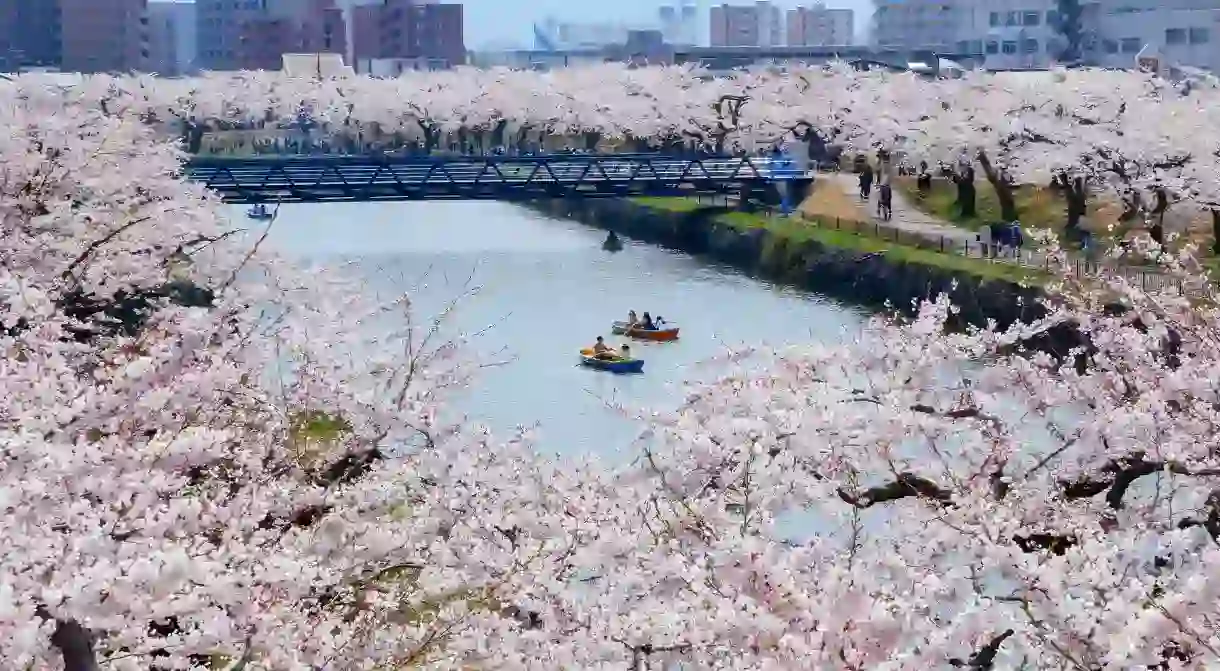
[[1200, 36], [1031, 18], [1131, 45], [1009, 47], [1175, 36], [993, 47], [1029, 46], [963, 46], [1052, 17], [995, 19]]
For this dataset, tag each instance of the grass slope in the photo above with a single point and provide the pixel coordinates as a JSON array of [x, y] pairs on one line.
[[1037, 206], [799, 229]]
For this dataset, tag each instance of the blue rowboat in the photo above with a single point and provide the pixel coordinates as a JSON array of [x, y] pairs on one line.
[[612, 365]]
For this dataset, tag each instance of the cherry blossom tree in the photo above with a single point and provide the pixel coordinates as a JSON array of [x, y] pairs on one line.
[[198, 472], [213, 459]]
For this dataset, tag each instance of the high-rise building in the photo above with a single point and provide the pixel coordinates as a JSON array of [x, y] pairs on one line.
[[171, 37], [30, 34], [74, 35], [429, 34], [757, 25], [935, 25], [219, 27], [679, 22], [1025, 34], [103, 35], [819, 26], [291, 27], [1174, 32]]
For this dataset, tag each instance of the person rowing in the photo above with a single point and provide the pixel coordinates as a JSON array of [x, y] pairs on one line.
[[603, 351]]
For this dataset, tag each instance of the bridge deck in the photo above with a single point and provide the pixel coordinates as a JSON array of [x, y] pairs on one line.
[[351, 178]]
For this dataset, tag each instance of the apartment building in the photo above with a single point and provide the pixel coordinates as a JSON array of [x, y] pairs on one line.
[[103, 35], [291, 27], [171, 37], [679, 22], [428, 35], [219, 25], [1177, 32], [1021, 34], [819, 26], [935, 25], [757, 25], [1012, 34], [87, 36], [29, 34]]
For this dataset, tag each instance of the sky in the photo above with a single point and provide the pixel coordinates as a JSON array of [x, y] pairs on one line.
[[509, 21]]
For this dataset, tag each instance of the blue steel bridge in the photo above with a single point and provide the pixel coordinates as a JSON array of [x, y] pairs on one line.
[[306, 179]]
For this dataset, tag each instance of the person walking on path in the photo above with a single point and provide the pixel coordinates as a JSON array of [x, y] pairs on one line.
[[885, 202], [866, 182]]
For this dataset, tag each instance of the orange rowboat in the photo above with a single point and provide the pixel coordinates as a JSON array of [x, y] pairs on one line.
[[657, 335]]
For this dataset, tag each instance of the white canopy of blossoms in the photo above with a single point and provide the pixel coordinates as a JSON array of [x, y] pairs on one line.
[[196, 474]]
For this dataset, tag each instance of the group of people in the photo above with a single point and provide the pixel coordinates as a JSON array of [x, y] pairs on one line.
[[603, 351], [885, 196], [645, 324]]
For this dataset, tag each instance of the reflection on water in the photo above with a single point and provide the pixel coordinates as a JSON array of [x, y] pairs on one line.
[[547, 288]]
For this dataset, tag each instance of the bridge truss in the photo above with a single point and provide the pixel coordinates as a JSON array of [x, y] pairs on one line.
[[372, 178]]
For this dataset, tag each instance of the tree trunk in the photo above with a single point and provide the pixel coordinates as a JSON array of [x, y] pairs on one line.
[[1003, 189], [432, 136], [1161, 206], [497, 133], [1215, 231], [76, 645], [1077, 203], [74, 642], [523, 135]]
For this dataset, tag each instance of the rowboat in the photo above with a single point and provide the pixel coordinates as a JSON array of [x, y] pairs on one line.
[[259, 212], [612, 365], [660, 335]]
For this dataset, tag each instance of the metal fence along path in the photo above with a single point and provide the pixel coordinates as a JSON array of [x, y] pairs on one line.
[[1145, 279]]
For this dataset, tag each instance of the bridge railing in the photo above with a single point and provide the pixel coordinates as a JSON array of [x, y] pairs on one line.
[[202, 160], [407, 178]]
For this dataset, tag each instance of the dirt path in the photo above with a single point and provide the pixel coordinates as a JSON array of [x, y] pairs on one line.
[[843, 189]]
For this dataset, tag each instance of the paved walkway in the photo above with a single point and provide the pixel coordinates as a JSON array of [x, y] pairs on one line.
[[905, 217]]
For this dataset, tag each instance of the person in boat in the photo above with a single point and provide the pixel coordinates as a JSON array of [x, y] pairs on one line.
[[601, 349], [625, 353], [659, 322], [632, 319], [646, 323]]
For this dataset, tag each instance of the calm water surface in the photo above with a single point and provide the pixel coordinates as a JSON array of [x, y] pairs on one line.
[[547, 289]]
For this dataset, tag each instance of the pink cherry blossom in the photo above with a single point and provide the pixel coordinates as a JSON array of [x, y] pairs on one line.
[[257, 477]]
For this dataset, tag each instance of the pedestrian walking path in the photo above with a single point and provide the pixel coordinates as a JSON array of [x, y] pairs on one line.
[[837, 196], [904, 215]]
